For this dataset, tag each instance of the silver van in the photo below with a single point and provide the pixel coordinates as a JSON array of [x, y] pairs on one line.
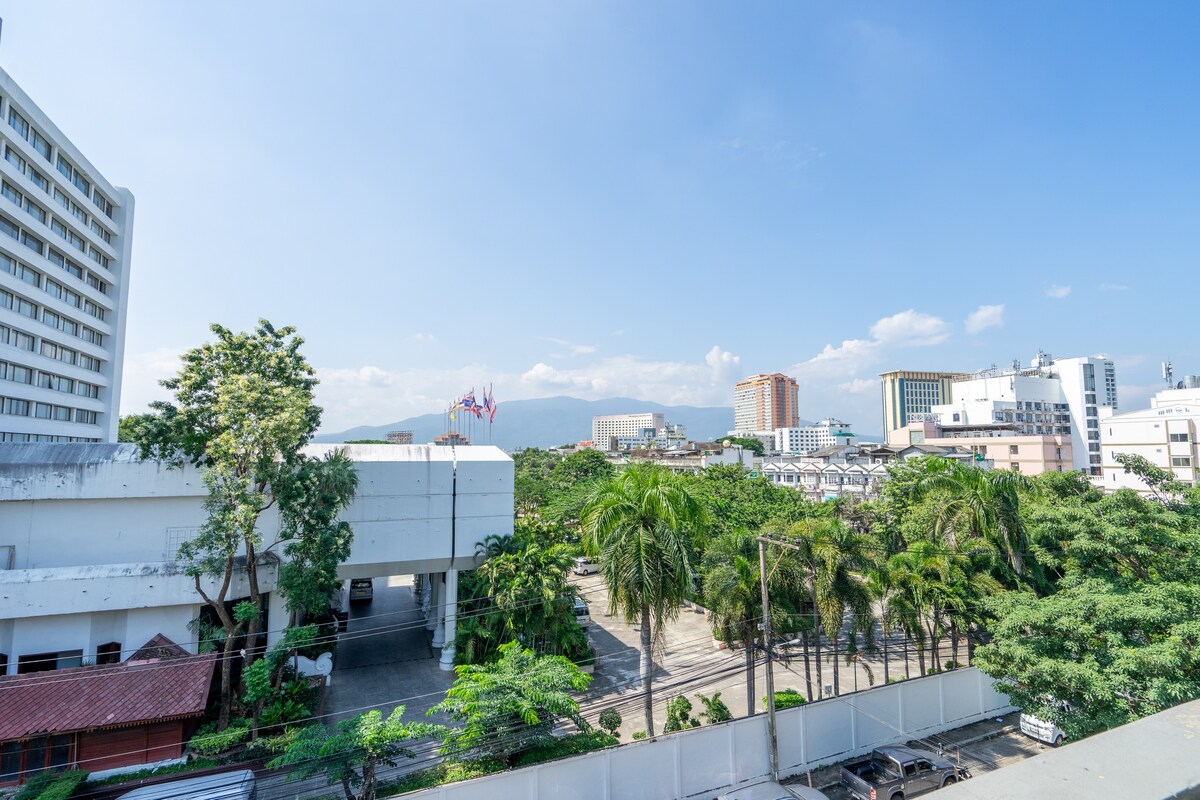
[[221, 786]]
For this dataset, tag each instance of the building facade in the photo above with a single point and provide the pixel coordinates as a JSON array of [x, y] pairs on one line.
[[807, 438], [90, 536], [765, 402], [65, 241], [1028, 454], [608, 429], [1164, 434], [1053, 397], [907, 393]]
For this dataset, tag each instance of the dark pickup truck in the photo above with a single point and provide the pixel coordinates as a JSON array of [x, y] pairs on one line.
[[895, 773]]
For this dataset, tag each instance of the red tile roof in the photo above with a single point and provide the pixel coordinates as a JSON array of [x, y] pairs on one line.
[[105, 696]]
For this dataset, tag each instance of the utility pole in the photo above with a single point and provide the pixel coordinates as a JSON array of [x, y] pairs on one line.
[[772, 738]]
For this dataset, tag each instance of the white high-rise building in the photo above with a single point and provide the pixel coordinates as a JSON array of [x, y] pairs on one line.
[[807, 438], [1053, 397], [65, 238], [606, 428]]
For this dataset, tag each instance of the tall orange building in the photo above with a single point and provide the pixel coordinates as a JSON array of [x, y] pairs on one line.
[[765, 402]]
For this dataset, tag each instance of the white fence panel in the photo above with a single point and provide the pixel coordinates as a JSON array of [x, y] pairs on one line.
[[702, 762]]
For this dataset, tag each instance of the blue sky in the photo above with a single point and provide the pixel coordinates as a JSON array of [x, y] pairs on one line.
[[649, 200]]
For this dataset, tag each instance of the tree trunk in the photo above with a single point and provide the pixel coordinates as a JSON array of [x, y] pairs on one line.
[[921, 657], [837, 690], [933, 645], [647, 671], [970, 648], [906, 665], [255, 625], [368, 786], [886, 676], [807, 666], [346, 788], [954, 642], [226, 680], [817, 647], [749, 677]]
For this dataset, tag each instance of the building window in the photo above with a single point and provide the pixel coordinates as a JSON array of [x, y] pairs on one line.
[[1012, 449], [1181, 461], [109, 653], [1176, 437]]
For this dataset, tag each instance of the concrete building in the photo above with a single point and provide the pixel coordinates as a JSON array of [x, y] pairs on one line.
[[807, 438], [608, 428], [1053, 397], [670, 436], [89, 536], [1029, 454], [764, 403], [854, 471], [65, 239], [400, 437], [906, 393], [1164, 434]]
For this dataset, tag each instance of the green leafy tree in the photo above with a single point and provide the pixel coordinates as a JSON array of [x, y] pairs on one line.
[[679, 715], [317, 542], [129, 427], [754, 445], [512, 704], [1119, 638], [352, 752], [242, 409], [265, 678], [610, 721], [638, 524]]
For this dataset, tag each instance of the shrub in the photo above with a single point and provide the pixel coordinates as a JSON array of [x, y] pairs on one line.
[[52, 786], [565, 746], [208, 741], [446, 772], [679, 710], [610, 720], [715, 709], [639, 735], [952, 665], [786, 698]]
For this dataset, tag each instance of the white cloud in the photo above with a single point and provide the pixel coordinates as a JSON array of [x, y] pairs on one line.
[[141, 376], [1113, 287], [859, 386], [572, 348], [910, 328], [985, 317], [1058, 292]]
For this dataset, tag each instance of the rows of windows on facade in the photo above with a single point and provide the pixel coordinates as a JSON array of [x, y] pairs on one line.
[[63, 263]]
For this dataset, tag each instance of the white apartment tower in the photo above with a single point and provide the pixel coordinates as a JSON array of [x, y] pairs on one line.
[[65, 237], [607, 427]]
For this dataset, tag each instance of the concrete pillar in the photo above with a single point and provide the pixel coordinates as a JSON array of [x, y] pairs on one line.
[[432, 611], [439, 613], [447, 662]]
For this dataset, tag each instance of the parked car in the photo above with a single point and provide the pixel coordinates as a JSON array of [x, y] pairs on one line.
[[221, 786], [896, 773], [582, 614], [362, 590], [770, 790], [1044, 730], [585, 566]]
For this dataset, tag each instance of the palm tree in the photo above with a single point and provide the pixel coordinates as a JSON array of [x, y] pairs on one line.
[[974, 503], [834, 558], [638, 524], [733, 594]]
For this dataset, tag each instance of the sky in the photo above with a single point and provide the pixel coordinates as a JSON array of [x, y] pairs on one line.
[[648, 200]]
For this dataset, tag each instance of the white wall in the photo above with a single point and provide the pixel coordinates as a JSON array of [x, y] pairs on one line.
[[704, 761]]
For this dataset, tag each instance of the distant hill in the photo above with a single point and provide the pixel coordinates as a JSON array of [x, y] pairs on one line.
[[548, 422]]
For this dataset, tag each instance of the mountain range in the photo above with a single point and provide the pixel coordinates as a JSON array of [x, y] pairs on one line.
[[546, 422]]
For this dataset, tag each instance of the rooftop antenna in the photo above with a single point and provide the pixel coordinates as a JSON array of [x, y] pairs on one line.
[[1167, 373]]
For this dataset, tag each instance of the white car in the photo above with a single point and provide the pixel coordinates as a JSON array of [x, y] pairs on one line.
[[1043, 730], [770, 790], [585, 566], [582, 614]]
